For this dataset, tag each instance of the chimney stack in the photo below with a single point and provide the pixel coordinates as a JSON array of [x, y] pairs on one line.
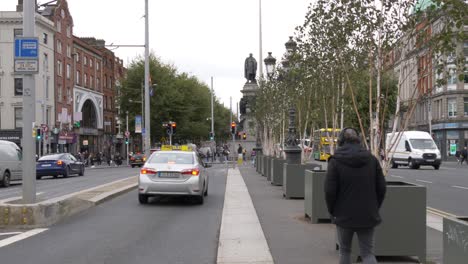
[[19, 6]]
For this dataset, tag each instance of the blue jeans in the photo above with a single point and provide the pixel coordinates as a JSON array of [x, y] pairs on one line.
[[366, 244]]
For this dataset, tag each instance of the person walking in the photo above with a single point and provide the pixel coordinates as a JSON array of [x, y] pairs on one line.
[[464, 155], [354, 192]]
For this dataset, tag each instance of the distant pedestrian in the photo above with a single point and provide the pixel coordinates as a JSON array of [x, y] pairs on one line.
[[464, 156], [458, 156], [354, 191]]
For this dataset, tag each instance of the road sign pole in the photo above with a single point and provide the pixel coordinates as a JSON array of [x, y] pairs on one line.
[[29, 113], [147, 77], [126, 135]]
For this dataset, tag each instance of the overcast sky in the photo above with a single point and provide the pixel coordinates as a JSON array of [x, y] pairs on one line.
[[202, 37]]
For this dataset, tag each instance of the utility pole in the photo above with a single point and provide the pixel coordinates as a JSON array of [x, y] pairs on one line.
[[212, 110], [260, 40], [147, 97], [29, 112], [127, 136]]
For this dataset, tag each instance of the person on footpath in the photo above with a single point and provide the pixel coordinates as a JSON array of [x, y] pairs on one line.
[[464, 156], [354, 191]]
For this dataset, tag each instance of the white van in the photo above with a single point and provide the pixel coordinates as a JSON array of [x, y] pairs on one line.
[[414, 148], [10, 163]]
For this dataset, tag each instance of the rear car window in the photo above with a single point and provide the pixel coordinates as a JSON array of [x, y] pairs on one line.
[[52, 157], [172, 157]]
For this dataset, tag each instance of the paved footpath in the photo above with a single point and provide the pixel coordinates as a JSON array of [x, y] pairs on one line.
[[293, 239]]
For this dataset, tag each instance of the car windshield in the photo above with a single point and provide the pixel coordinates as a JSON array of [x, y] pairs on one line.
[[52, 157], [423, 143], [138, 156], [172, 157]]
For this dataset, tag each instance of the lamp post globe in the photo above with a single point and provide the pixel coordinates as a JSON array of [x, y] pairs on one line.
[[270, 63], [291, 45]]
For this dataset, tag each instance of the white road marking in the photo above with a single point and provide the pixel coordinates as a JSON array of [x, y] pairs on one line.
[[13, 239], [396, 176], [460, 187], [10, 233], [423, 181]]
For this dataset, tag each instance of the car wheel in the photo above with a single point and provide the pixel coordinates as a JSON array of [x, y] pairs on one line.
[[67, 172], [81, 171], [142, 198], [413, 165], [200, 199], [133, 166], [6, 179], [394, 165], [38, 177], [436, 167], [206, 192]]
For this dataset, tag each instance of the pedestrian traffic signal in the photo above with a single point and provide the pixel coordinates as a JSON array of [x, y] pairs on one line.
[[244, 136], [126, 140], [173, 126], [38, 134], [211, 136], [77, 124], [233, 128]]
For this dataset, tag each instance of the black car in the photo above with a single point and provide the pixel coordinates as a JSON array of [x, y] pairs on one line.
[[137, 160], [59, 164]]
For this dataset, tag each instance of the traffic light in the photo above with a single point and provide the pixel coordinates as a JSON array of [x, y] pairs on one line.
[[173, 126], [126, 140], [233, 128], [244, 136], [211, 136], [38, 134], [77, 124]]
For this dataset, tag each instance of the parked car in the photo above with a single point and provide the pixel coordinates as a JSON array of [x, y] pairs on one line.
[[137, 160], [10, 162], [173, 173], [63, 164]]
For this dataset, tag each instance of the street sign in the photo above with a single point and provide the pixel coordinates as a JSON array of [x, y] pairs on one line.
[[26, 55], [138, 121], [85, 142], [127, 133], [45, 128]]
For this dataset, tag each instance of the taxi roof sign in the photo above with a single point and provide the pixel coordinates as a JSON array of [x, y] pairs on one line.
[[181, 148]]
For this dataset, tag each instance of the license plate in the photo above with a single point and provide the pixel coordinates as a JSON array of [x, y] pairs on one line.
[[46, 165], [430, 160], [169, 174]]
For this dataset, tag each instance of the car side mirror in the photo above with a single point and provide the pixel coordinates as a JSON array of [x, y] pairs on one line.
[[407, 146]]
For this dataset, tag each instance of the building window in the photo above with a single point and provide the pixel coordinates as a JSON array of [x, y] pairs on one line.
[[47, 87], [69, 98], [59, 93], [452, 79], [68, 71], [17, 32], [105, 102], [91, 81], [77, 57], [18, 117], [59, 26], [90, 62], [85, 60], [105, 81], [465, 105], [78, 77], [97, 66], [69, 31], [44, 38], [18, 86], [59, 68], [452, 107], [85, 80], [48, 116], [98, 84], [45, 63], [59, 46], [68, 51]]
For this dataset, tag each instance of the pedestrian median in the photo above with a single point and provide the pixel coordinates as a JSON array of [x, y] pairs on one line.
[[14, 214]]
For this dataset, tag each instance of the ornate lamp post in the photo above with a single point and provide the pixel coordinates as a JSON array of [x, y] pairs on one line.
[[292, 150], [270, 63]]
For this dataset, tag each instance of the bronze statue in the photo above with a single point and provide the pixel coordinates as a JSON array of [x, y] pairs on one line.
[[250, 69]]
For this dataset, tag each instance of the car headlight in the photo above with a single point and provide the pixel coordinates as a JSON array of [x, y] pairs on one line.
[[418, 152]]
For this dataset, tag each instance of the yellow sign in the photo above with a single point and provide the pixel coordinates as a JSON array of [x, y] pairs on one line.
[[182, 148]]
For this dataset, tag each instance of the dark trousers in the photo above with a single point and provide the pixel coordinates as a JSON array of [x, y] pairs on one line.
[[366, 244]]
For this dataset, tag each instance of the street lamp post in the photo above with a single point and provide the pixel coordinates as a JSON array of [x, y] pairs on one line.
[[126, 133], [292, 150], [147, 75]]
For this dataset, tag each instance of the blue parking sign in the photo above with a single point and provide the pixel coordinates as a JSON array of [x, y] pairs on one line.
[[27, 48]]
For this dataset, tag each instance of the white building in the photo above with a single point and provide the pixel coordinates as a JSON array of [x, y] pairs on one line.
[[11, 85]]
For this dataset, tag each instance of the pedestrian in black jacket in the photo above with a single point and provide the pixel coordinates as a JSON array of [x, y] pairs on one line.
[[354, 191]]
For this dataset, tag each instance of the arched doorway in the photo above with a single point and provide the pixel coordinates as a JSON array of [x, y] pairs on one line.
[[89, 138]]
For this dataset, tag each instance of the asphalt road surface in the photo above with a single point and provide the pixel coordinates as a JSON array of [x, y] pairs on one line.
[[48, 187], [122, 231], [447, 188]]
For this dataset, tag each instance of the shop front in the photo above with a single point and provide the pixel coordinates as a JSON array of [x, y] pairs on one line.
[[450, 138], [13, 135]]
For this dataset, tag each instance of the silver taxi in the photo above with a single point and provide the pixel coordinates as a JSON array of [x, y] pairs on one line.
[[173, 172]]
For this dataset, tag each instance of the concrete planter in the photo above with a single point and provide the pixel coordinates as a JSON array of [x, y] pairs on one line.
[[455, 240], [403, 228], [277, 172], [264, 161], [315, 206], [293, 179], [269, 167]]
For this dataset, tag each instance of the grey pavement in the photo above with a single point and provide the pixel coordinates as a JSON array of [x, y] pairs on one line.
[[293, 239], [48, 187], [121, 231]]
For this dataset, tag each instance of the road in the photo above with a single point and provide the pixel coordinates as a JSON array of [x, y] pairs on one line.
[[447, 188], [123, 231], [48, 187]]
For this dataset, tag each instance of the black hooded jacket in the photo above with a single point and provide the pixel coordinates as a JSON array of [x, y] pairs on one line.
[[354, 188]]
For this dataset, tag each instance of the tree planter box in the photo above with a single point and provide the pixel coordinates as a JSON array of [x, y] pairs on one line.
[[257, 163], [277, 172], [270, 168], [293, 179], [403, 228], [455, 240], [315, 206], [264, 161]]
